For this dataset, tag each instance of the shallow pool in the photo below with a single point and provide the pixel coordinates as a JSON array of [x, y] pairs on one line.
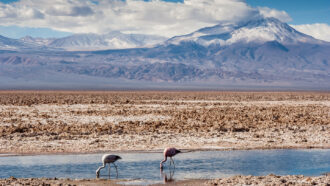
[[143, 168]]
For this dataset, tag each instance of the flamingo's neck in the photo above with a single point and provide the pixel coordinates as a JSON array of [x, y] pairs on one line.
[[101, 167], [161, 163]]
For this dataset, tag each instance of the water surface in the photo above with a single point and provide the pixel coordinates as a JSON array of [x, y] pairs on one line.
[[143, 168]]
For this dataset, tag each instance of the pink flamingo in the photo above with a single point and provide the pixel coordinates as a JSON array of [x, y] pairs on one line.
[[169, 152], [108, 158]]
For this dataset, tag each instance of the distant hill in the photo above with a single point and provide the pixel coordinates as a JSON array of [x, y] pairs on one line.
[[263, 53], [85, 42], [112, 40]]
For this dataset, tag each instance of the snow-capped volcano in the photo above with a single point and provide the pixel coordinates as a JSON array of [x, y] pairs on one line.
[[254, 31]]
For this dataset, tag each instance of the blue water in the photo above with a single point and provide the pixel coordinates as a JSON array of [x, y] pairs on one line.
[[192, 165]]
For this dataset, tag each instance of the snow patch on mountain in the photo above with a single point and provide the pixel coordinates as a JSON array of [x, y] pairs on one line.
[[37, 40], [112, 40], [256, 31]]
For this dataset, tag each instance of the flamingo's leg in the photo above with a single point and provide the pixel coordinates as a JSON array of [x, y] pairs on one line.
[[171, 173], [109, 170], [116, 168]]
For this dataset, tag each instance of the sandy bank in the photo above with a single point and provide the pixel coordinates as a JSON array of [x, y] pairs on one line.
[[235, 180]]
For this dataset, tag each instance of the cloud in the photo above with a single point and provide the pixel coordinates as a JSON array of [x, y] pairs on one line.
[[73, 11], [317, 30], [280, 15], [130, 16]]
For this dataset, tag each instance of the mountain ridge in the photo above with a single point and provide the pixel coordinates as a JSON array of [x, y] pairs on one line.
[[283, 57], [260, 30], [112, 40], [86, 42]]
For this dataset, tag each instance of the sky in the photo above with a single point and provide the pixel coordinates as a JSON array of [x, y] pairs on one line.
[[59, 18], [301, 11]]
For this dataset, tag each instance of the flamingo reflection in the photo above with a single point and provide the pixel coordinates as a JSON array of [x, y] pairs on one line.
[[165, 177]]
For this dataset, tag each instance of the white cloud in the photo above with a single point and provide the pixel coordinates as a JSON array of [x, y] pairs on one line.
[[130, 16], [317, 30], [269, 12]]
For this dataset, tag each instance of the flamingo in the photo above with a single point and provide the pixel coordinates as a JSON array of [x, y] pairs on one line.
[[169, 152], [108, 158]]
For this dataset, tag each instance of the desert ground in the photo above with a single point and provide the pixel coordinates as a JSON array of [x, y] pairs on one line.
[[48, 122], [323, 180], [83, 122]]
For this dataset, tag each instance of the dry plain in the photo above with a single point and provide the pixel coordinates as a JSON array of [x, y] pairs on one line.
[[43, 122], [323, 180], [78, 122]]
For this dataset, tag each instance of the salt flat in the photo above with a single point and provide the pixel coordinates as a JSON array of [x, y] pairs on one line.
[[70, 122]]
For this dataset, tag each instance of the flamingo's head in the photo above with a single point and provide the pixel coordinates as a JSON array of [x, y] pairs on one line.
[[97, 173], [118, 158]]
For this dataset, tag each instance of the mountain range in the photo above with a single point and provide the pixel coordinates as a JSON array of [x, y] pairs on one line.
[[76, 42], [257, 54]]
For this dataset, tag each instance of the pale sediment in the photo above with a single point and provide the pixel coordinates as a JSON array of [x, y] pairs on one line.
[[272, 180], [54, 181], [78, 122], [230, 181]]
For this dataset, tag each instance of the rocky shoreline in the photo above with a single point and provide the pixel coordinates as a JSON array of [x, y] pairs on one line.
[[271, 179]]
